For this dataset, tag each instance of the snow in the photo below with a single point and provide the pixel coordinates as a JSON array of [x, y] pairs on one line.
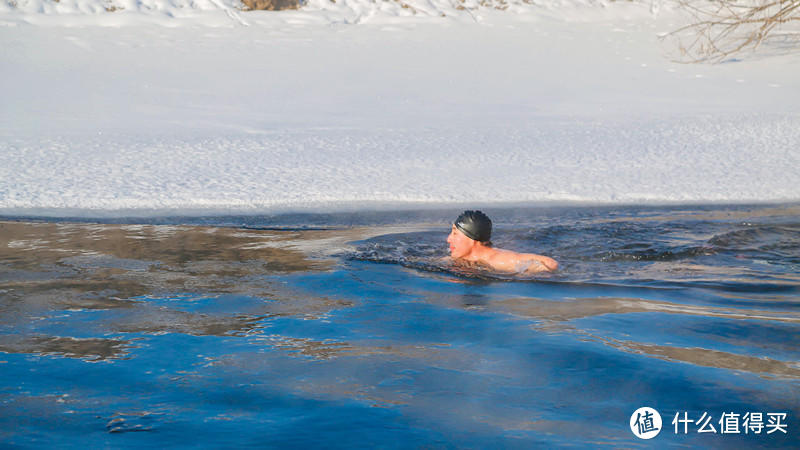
[[164, 106]]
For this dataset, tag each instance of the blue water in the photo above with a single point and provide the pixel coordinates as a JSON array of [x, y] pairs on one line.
[[349, 330]]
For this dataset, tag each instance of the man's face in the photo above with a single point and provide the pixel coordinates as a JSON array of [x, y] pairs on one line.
[[460, 245]]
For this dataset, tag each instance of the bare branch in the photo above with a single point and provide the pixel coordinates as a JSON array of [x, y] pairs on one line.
[[720, 28]]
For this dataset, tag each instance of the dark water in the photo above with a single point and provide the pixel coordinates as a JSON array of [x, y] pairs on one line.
[[349, 330]]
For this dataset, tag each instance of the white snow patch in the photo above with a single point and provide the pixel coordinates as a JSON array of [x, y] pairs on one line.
[[197, 105]]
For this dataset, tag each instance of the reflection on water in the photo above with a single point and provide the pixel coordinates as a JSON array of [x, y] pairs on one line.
[[711, 358], [50, 267], [92, 349], [277, 335], [568, 309]]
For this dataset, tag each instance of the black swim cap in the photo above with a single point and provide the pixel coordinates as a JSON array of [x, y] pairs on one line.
[[475, 225]]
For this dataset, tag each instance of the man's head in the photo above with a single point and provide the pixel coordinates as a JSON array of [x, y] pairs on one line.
[[471, 228], [475, 225]]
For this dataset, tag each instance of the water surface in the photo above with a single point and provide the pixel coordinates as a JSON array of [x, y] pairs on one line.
[[350, 330]]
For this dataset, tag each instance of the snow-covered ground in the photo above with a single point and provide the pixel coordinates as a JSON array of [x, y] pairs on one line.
[[198, 106]]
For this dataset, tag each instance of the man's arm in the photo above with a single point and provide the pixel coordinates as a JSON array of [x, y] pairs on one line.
[[540, 263], [509, 261]]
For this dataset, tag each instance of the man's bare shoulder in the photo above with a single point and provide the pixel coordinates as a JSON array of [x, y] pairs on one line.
[[510, 261]]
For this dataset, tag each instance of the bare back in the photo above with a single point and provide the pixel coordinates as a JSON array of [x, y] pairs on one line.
[[513, 262]]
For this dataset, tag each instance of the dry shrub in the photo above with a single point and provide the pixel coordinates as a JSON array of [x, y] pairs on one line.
[[720, 28], [270, 5]]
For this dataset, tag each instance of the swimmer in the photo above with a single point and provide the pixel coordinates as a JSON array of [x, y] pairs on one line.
[[469, 241]]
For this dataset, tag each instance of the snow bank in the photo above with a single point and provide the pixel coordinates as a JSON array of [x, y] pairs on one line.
[[357, 103], [550, 161], [333, 11]]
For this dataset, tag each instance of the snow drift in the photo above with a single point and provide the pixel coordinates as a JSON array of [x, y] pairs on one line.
[[113, 105]]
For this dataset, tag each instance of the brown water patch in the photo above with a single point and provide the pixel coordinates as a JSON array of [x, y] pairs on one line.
[[557, 316], [89, 266], [709, 358], [565, 310], [330, 349], [92, 349], [140, 247], [552, 313], [165, 320], [53, 269]]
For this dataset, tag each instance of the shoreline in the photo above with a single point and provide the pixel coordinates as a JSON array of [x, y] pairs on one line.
[[308, 219]]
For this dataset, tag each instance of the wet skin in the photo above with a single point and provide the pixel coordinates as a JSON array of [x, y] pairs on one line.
[[462, 248]]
